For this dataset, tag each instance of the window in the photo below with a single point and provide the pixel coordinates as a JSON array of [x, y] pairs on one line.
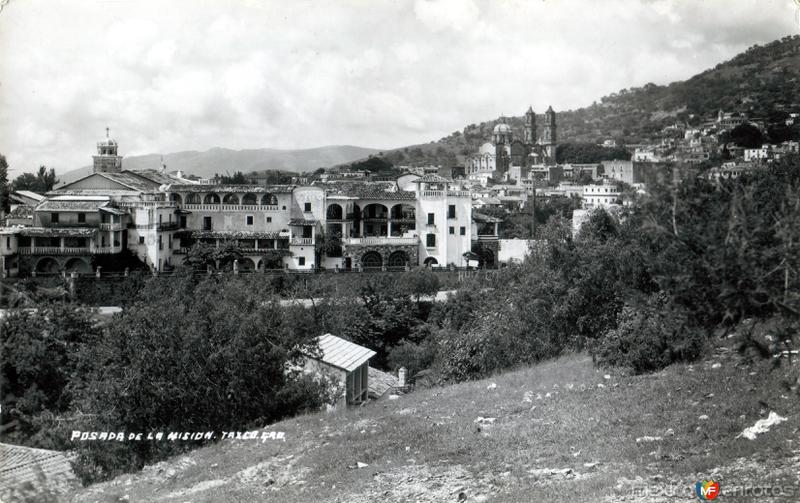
[[301, 260], [141, 240], [160, 243], [430, 218], [81, 218], [463, 231], [451, 211], [452, 230], [269, 220], [249, 219], [54, 218], [430, 240], [206, 223], [307, 207], [284, 208]]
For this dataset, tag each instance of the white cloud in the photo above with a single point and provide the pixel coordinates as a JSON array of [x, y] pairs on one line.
[[169, 76]]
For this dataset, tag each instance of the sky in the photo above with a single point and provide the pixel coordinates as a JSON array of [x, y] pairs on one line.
[[176, 75]]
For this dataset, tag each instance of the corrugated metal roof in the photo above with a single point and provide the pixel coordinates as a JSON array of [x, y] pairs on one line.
[[46, 471], [343, 354]]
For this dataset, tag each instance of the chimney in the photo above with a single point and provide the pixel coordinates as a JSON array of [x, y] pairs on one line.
[[401, 377]]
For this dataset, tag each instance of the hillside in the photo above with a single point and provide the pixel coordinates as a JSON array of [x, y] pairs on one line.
[[222, 160], [559, 431], [761, 81]]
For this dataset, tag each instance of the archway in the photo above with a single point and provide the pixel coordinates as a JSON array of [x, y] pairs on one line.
[[430, 262], [48, 265], [376, 219], [211, 199], [176, 198], [193, 198], [250, 199], [269, 200], [398, 259], [488, 259], [77, 265], [231, 199], [371, 260], [246, 264], [334, 212]]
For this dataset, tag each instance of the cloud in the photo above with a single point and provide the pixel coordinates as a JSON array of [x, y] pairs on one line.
[[180, 75]]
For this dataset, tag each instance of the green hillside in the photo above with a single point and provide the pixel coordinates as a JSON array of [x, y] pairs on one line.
[[762, 81], [558, 431]]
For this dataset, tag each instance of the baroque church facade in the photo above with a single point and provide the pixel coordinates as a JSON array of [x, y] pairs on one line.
[[507, 158]]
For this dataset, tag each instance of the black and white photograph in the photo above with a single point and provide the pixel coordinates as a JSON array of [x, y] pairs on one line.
[[399, 251]]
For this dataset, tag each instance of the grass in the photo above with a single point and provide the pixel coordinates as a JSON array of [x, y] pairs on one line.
[[577, 444]]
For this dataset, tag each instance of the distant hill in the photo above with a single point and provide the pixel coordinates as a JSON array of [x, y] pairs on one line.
[[762, 82], [222, 160]]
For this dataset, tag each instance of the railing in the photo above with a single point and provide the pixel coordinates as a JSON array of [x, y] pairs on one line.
[[302, 241], [117, 226], [168, 226], [458, 193], [145, 204], [106, 250], [229, 207], [54, 250], [488, 237], [382, 240], [432, 193]]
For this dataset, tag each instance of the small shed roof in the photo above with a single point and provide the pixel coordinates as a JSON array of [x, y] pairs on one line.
[[343, 354], [47, 471]]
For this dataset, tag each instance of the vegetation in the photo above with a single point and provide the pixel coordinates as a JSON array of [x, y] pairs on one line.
[[41, 182]]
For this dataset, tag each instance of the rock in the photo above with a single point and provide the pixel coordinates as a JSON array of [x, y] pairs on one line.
[[485, 420], [528, 397], [394, 397], [670, 432], [547, 395], [761, 426], [647, 439], [703, 418], [359, 464], [607, 376], [462, 496], [491, 386], [601, 385], [591, 464], [716, 365]]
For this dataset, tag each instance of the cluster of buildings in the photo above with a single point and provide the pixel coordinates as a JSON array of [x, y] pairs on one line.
[[158, 217]]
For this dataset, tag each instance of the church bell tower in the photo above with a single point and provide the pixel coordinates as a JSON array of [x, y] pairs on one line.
[[107, 160]]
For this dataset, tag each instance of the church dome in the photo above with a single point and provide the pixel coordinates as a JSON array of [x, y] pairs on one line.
[[107, 142], [502, 128]]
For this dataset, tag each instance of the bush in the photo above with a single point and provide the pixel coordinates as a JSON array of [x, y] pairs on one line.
[[649, 337]]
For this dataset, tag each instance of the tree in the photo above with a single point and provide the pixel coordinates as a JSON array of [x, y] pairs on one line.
[[43, 181], [4, 203], [747, 136]]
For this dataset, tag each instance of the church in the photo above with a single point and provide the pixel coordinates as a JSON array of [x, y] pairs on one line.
[[506, 158]]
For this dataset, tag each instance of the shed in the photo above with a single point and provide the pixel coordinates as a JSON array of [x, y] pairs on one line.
[[347, 362]]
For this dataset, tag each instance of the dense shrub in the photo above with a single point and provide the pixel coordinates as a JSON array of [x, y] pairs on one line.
[[649, 337]]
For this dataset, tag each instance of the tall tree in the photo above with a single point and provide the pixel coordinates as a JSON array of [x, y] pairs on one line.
[[43, 181], [3, 183]]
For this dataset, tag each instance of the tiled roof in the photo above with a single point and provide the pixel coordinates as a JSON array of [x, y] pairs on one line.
[[58, 231], [39, 470], [480, 217], [380, 382], [28, 194], [130, 179], [238, 235], [343, 354], [433, 178], [272, 189], [366, 190], [157, 176], [70, 205]]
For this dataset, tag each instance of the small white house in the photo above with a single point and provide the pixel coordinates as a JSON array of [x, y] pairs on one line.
[[347, 363]]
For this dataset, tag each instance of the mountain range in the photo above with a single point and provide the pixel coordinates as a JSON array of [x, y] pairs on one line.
[[226, 161]]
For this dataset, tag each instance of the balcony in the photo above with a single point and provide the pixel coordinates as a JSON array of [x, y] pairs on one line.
[[458, 193], [380, 240], [107, 226], [168, 226], [229, 207], [432, 193], [54, 250], [302, 241]]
